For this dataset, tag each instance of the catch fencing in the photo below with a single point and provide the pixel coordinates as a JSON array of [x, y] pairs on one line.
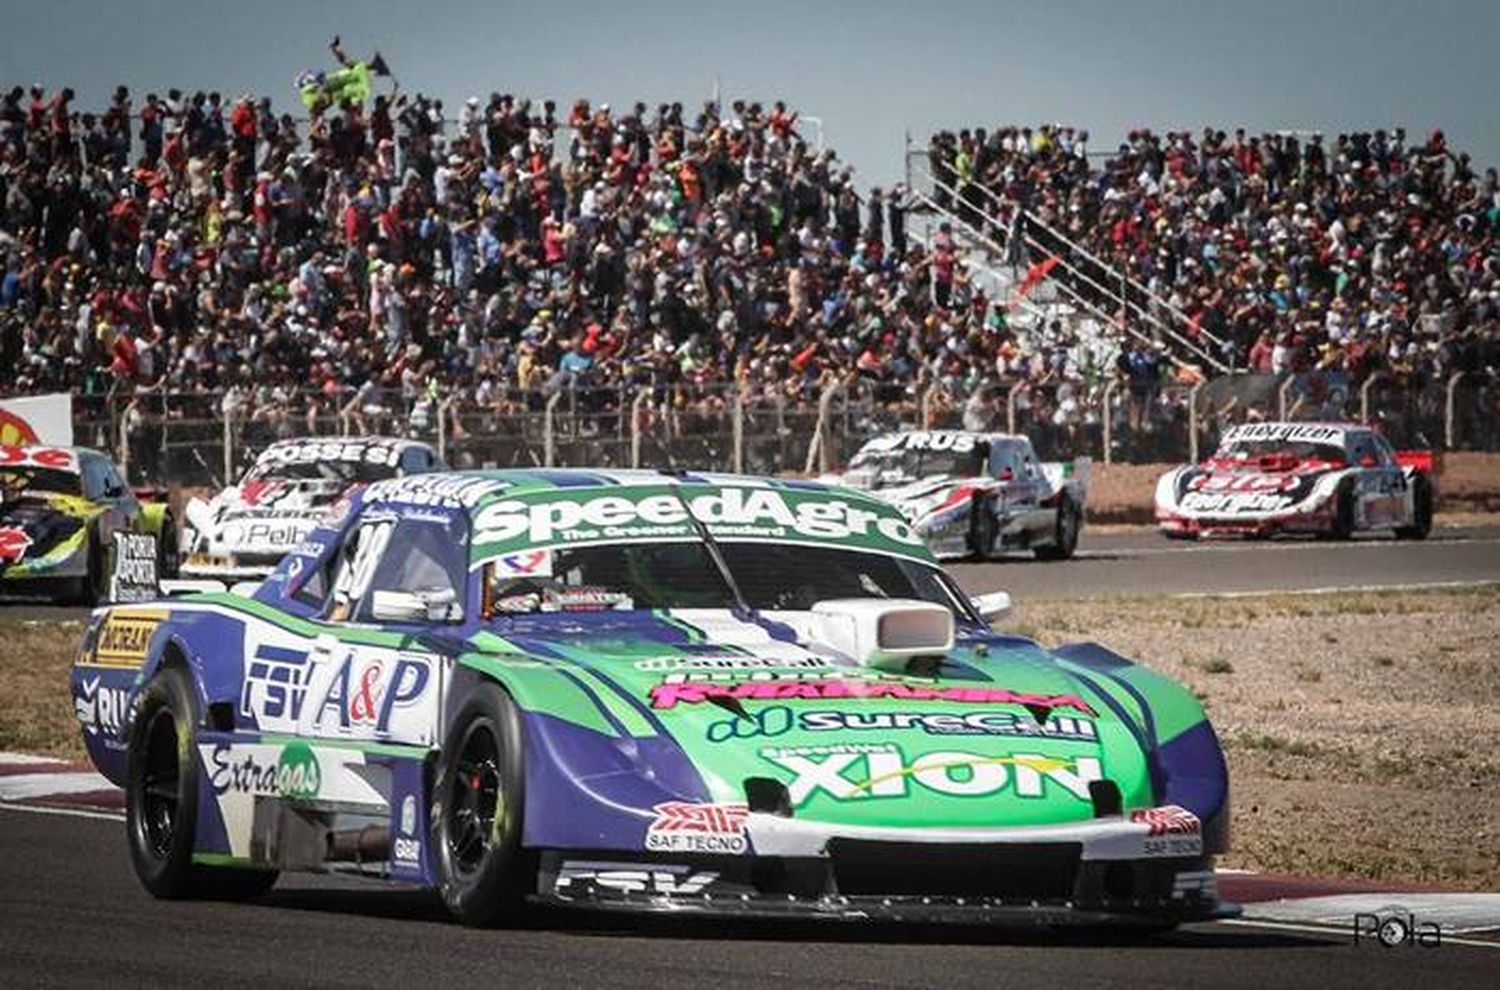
[[208, 439]]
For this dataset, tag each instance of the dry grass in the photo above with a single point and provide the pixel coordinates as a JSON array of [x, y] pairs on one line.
[[1359, 727], [36, 707], [1468, 485]]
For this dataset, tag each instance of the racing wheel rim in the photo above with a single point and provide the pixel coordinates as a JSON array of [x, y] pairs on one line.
[[475, 798], [157, 797]]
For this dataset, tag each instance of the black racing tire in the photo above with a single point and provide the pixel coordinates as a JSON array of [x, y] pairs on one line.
[[161, 800], [478, 808], [982, 528], [1421, 508], [1064, 533], [1343, 512], [1184, 535], [168, 558], [93, 587]]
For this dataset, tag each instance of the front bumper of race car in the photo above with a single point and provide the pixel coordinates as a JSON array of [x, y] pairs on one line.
[[1033, 885], [1316, 519], [65, 560], [1102, 871]]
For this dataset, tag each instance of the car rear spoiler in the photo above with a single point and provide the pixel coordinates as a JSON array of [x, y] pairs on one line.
[[1429, 462]]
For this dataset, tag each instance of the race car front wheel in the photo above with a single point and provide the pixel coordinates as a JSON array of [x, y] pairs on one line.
[[1065, 536], [161, 800], [981, 528], [476, 823], [1421, 511]]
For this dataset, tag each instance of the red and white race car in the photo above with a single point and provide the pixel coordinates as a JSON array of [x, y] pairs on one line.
[[1327, 478]]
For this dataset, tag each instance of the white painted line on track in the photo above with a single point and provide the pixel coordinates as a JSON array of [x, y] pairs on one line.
[[45, 809], [33, 785], [19, 758], [1335, 589], [1239, 546], [1327, 930]]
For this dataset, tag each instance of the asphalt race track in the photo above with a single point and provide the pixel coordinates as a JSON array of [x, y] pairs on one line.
[[1142, 562], [1139, 561], [73, 915]]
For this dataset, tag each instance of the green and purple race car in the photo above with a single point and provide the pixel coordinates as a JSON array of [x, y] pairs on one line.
[[631, 690]]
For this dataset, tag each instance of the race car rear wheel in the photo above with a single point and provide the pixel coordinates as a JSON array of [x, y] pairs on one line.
[[1421, 511], [161, 800], [93, 587], [167, 558], [1065, 535], [981, 528], [1343, 512], [483, 874]]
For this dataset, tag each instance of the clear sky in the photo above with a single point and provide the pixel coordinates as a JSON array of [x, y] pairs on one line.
[[870, 69]]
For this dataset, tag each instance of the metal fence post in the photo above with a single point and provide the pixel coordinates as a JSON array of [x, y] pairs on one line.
[[737, 425], [228, 446], [442, 429], [1449, 423], [1108, 421], [635, 426], [1010, 406], [818, 446], [1193, 421], [122, 441], [1364, 396], [549, 443], [1281, 392]]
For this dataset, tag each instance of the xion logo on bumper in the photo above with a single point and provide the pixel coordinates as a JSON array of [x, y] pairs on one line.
[[856, 772]]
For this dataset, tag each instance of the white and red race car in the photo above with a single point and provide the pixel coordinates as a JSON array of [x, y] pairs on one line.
[[975, 494], [245, 530], [1328, 478]]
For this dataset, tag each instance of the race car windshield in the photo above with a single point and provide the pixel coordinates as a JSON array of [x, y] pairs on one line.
[[890, 466], [683, 575], [342, 473], [16, 482], [1302, 450]]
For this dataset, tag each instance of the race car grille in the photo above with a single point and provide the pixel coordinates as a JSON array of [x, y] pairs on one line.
[[1032, 871]]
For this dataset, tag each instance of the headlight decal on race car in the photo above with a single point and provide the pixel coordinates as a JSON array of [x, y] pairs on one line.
[[14, 542]]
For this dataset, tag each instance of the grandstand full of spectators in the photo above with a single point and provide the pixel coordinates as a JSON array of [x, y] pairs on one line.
[[194, 243]]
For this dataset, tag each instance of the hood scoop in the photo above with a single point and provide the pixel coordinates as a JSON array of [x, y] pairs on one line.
[[883, 633]]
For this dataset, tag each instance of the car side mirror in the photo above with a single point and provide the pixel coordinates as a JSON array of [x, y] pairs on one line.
[[1007, 474], [415, 606], [1367, 461], [995, 605]]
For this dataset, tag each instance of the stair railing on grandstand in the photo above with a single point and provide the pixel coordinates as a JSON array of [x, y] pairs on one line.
[[1107, 420], [984, 240], [1067, 265], [1193, 421]]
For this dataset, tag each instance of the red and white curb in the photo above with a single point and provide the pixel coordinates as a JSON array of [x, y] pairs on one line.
[[45, 782]]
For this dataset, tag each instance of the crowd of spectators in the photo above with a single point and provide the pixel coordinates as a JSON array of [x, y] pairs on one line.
[[367, 257], [1279, 252], [194, 243]]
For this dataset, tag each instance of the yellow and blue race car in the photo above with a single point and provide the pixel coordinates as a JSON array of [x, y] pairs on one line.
[[72, 530]]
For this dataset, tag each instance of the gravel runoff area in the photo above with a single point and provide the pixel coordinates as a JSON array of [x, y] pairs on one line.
[[1358, 725]]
